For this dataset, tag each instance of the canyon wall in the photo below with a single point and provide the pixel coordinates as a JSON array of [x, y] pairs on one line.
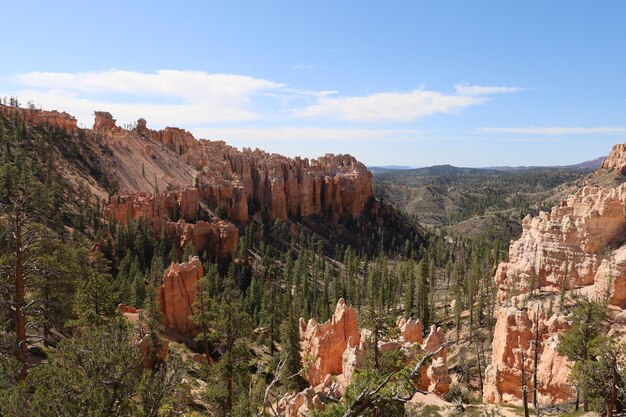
[[577, 247], [333, 185]]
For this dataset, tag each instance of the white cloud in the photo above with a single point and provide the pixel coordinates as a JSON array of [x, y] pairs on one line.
[[295, 134], [399, 106], [556, 130], [164, 97], [483, 90], [188, 98]]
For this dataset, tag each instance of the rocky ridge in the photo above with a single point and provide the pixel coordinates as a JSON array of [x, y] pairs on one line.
[[43, 118], [250, 180], [577, 246]]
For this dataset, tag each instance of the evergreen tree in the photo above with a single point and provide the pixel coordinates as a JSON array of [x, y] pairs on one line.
[[588, 324], [231, 327]]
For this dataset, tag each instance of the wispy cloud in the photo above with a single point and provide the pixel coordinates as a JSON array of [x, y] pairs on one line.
[[165, 96], [484, 90], [294, 134], [399, 106], [198, 98], [556, 130]]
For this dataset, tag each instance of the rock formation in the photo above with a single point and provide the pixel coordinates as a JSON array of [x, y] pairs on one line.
[[332, 185], [411, 330], [577, 247], [616, 161], [334, 350], [177, 294], [42, 118], [105, 123], [299, 404], [515, 330], [323, 344], [219, 237]]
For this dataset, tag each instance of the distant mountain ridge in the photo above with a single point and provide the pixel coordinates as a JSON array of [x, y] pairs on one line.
[[451, 170]]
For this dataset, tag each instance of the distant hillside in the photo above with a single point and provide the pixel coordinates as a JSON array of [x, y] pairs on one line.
[[590, 165], [385, 168], [478, 202]]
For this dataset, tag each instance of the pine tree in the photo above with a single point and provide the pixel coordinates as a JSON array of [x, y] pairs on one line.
[[422, 294], [231, 327], [291, 349], [203, 314]]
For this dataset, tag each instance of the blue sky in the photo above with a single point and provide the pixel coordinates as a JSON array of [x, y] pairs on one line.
[[470, 83]]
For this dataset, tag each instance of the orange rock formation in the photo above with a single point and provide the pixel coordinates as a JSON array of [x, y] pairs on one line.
[[333, 185], [43, 118], [177, 294], [578, 246], [323, 344]]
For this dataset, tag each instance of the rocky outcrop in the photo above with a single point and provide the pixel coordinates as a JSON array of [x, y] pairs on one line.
[[42, 118], [299, 404], [178, 140], [435, 377], [616, 161], [334, 350], [105, 123], [218, 237], [177, 294], [515, 331], [411, 330], [322, 345], [571, 242], [333, 185], [577, 247]]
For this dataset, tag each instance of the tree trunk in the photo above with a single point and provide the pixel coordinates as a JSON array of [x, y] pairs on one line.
[[376, 353], [480, 372], [536, 366], [229, 389], [20, 296], [524, 387], [613, 399]]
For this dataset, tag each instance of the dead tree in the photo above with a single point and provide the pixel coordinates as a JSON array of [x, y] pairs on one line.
[[536, 366], [267, 400], [524, 387], [370, 399], [480, 371]]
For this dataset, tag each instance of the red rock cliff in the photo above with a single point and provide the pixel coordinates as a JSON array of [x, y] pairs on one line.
[[332, 185]]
